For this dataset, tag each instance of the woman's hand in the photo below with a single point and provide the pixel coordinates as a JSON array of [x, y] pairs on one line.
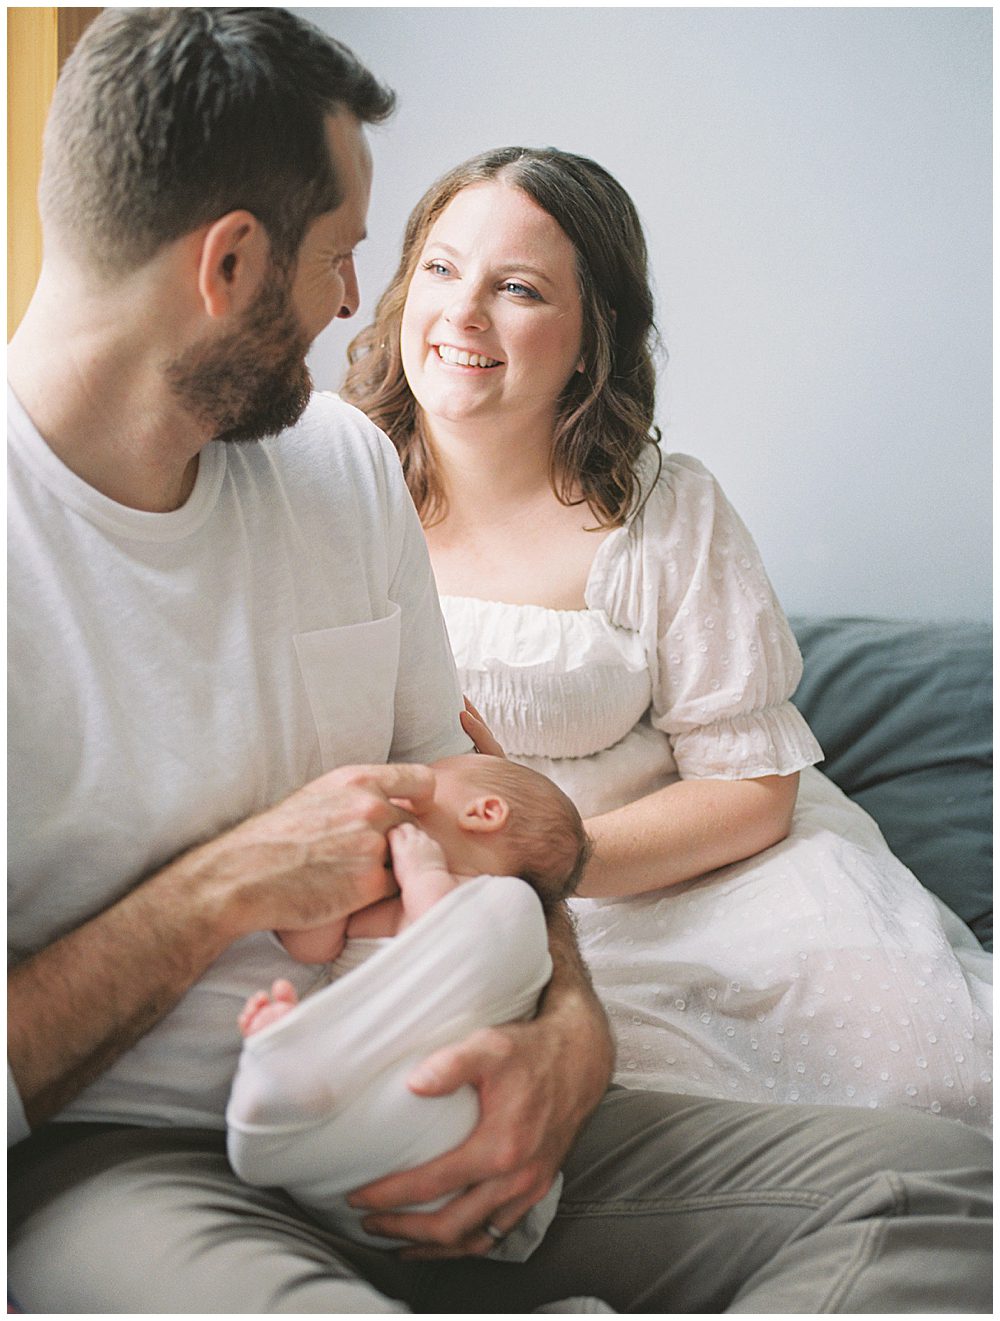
[[537, 1083], [478, 730]]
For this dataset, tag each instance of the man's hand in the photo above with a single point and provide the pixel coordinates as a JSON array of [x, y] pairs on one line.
[[537, 1083], [314, 858]]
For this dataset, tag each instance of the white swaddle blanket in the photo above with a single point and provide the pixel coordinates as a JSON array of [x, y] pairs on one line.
[[319, 1105]]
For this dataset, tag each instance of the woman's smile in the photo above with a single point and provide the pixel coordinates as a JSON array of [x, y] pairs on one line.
[[493, 323], [456, 357]]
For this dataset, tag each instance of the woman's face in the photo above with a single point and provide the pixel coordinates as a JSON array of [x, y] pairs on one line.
[[493, 322]]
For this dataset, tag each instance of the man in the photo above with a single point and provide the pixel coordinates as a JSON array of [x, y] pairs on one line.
[[217, 642]]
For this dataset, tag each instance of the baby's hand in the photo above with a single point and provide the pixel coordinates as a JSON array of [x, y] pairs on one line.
[[262, 1009], [414, 853], [421, 871]]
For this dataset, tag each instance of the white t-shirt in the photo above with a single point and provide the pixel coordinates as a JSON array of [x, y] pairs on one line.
[[171, 674]]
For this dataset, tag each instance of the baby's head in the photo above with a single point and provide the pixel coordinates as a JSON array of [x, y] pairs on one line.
[[492, 815]]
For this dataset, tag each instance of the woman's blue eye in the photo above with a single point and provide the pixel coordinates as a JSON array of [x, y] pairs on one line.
[[436, 267], [521, 290]]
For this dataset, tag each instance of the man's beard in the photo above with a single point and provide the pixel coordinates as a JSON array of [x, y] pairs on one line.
[[255, 382]]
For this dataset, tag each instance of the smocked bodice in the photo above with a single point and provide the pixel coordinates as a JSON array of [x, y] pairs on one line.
[[557, 683]]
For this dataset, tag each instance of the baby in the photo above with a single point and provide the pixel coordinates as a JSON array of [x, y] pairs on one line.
[[489, 815], [319, 1105]]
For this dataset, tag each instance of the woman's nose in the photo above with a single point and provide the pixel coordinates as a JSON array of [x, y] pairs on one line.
[[467, 309]]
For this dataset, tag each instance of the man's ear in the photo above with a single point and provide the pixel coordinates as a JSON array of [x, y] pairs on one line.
[[485, 814], [234, 258]]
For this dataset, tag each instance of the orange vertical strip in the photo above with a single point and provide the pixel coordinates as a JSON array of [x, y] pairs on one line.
[[38, 41], [32, 63]]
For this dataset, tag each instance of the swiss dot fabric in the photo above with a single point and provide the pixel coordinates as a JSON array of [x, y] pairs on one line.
[[818, 971]]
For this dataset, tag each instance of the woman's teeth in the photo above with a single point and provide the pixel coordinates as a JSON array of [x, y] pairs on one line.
[[462, 359]]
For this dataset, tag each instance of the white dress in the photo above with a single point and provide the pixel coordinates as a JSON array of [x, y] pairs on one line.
[[818, 971]]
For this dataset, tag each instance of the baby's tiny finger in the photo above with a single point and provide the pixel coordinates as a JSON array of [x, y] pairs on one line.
[[252, 1007]]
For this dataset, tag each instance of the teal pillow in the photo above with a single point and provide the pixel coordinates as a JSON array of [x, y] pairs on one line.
[[903, 712]]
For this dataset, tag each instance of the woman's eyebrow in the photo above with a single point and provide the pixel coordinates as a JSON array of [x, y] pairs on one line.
[[511, 263]]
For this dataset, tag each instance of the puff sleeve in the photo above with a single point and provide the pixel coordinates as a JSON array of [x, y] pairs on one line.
[[723, 660]]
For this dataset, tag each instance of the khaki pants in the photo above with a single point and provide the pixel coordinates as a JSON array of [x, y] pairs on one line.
[[671, 1204]]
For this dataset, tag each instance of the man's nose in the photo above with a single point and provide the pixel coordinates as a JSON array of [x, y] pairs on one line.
[[352, 294]]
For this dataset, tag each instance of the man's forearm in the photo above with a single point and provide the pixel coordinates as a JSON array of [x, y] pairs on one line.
[[78, 1004], [313, 859], [570, 1003]]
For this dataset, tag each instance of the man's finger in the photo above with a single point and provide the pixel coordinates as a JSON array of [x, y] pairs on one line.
[[446, 1174], [462, 1219], [471, 1062], [393, 780], [447, 1069], [459, 1229]]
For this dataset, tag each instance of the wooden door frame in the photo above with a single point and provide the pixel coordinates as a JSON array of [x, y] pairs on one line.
[[38, 42]]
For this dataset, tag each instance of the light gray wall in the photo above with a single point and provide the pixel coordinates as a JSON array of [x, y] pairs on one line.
[[816, 190]]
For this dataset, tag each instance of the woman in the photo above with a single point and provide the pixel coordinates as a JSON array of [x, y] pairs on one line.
[[750, 934]]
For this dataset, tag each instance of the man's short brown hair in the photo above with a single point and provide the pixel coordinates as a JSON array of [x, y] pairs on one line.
[[166, 119]]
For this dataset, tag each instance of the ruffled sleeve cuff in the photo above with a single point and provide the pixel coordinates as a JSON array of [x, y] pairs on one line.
[[774, 741]]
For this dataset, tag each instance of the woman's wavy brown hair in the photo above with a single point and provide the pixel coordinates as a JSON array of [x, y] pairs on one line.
[[605, 416]]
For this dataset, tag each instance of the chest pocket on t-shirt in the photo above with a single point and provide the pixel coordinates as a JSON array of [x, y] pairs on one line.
[[350, 678]]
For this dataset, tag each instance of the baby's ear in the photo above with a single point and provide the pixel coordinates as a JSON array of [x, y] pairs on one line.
[[484, 814]]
